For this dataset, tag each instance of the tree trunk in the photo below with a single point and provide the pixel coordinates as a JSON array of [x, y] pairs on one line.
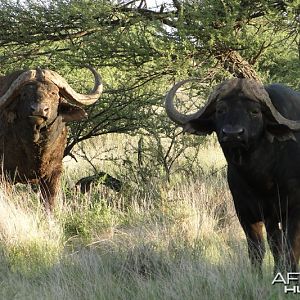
[[237, 66]]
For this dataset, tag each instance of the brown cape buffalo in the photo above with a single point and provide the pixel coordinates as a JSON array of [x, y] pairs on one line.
[[257, 128], [34, 108]]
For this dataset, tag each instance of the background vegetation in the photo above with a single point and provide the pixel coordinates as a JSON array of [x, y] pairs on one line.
[[171, 232]]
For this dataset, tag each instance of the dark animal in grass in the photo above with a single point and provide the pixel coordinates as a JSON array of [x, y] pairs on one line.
[[257, 128], [35, 106], [111, 182]]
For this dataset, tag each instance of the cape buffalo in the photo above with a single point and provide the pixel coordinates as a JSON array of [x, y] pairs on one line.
[[257, 127], [34, 108]]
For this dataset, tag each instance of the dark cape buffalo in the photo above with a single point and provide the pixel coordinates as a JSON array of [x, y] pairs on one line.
[[34, 108], [257, 128]]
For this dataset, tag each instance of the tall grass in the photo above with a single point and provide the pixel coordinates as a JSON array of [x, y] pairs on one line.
[[178, 240]]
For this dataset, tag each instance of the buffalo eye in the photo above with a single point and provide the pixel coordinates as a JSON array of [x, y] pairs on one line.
[[221, 110], [255, 112], [24, 95]]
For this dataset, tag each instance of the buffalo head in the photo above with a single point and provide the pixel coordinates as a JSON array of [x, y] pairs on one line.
[[240, 111], [38, 97]]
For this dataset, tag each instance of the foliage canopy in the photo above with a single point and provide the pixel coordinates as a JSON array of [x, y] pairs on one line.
[[141, 50]]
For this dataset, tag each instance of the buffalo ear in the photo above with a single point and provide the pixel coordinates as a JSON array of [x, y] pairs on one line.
[[71, 112], [199, 126], [279, 131]]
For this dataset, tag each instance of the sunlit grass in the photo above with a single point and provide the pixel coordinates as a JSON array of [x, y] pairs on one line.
[[177, 240], [30, 240]]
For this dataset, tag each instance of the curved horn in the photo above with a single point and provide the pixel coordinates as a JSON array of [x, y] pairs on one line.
[[16, 85], [256, 91], [178, 117], [70, 94], [292, 124], [65, 88]]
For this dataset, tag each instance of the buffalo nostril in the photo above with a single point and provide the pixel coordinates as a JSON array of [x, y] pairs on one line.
[[39, 110], [32, 108], [230, 131], [240, 130]]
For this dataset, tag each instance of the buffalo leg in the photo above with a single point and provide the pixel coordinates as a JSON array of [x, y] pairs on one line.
[[277, 245], [293, 239], [256, 247], [49, 190]]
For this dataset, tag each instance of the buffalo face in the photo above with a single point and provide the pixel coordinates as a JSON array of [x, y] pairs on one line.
[[39, 103], [238, 122]]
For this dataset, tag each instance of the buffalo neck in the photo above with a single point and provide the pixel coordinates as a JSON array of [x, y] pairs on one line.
[[51, 131], [33, 136], [256, 163], [33, 159]]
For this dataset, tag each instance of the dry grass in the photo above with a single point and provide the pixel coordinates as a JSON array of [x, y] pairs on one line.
[[166, 241]]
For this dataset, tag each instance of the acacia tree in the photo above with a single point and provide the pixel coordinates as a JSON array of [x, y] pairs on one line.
[[141, 51]]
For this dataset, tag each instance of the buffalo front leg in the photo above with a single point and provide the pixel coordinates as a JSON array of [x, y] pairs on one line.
[[293, 239], [277, 245], [49, 190], [256, 247]]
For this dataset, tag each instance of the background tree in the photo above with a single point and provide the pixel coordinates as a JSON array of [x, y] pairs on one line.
[[141, 50]]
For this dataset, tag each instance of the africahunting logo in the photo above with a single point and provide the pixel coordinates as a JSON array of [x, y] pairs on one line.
[[290, 282]]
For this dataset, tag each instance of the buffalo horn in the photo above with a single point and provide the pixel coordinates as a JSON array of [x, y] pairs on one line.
[[23, 78], [51, 76], [256, 91], [280, 119], [70, 94], [178, 117]]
